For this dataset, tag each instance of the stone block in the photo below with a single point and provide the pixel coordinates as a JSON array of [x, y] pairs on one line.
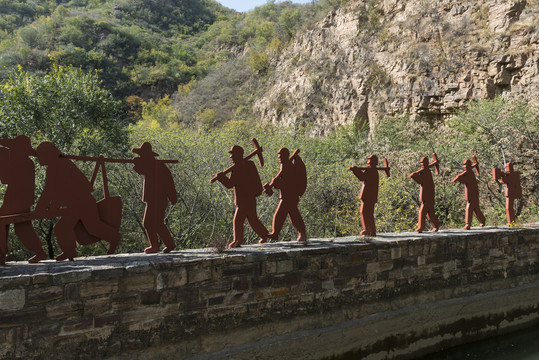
[[22, 317], [71, 292], [241, 285], [171, 279], [137, 283], [247, 269], [71, 276], [68, 340], [97, 288], [272, 293], [351, 271], [17, 334], [45, 294], [65, 310], [196, 275], [97, 306], [15, 282], [262, 282], [42, 279], [12, 300], [76, 325], [106, 320], [121, 302], [151, 297]]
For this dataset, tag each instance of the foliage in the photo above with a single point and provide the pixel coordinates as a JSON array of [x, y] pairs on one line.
[[68, 108]]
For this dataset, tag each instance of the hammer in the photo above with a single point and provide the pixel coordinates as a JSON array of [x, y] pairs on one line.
[[385, 168], [268, 186], [475, 165], [258, 151]]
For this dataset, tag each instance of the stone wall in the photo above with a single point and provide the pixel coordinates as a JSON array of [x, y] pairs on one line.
[[399, 295]]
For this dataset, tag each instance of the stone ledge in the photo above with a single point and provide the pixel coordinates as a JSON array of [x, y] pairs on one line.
[[111, 266]]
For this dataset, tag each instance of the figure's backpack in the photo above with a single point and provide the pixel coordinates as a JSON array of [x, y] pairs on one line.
[[300, 175], [254, 179]]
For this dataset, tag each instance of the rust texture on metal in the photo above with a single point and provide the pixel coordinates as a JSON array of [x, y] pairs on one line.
[[513, 190], [291, 180], [424, 178], [471, 192], [245, 180], [67, 195], [369, 191]]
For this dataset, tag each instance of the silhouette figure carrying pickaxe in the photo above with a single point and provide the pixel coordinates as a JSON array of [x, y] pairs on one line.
[[292, 181], [513, 190], [247, 186], [471, 192], [423, 177], [369, 192]]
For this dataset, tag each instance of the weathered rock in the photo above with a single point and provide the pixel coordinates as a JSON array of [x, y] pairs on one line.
[[372, 59]]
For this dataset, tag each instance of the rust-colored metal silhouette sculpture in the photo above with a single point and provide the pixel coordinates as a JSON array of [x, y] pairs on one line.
[[471, 192], [68, 194], [158, 190], [369, 192], [423, 177], [17, 171], [292, 181], [247, 186], [511, 179]]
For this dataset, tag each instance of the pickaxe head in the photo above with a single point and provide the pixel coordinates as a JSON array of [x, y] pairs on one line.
[[386, 167], [258, 151], [475, 165]]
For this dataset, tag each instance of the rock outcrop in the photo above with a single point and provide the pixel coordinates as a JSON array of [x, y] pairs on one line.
[[370, 59]]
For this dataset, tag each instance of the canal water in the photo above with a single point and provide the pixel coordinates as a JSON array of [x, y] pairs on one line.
[[521, 345]]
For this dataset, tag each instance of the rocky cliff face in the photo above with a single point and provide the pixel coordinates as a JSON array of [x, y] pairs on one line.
[[425, 58]]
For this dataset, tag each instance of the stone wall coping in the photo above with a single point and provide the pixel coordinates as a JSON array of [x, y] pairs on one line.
[[113, 266]]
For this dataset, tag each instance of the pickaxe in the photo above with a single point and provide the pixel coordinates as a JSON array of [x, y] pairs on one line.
[[268, 186], [385, 168], [435, 163], [475, 165], [258, 151]]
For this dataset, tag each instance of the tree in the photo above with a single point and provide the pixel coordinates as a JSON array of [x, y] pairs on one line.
[[66, 106]]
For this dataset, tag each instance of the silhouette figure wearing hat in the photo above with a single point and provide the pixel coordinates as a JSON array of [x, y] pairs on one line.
[[513, 190], [19, 176], [471, 194], [158, 190], [245, 180], [426, 196], [68, 194], [368, 195], [292, 185]]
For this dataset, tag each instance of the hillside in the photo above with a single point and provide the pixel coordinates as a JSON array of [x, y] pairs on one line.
[[369, 59], [138, 47]]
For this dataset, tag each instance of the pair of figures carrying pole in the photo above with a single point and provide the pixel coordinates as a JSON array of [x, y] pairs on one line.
[[68, 194], [247, 186]]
